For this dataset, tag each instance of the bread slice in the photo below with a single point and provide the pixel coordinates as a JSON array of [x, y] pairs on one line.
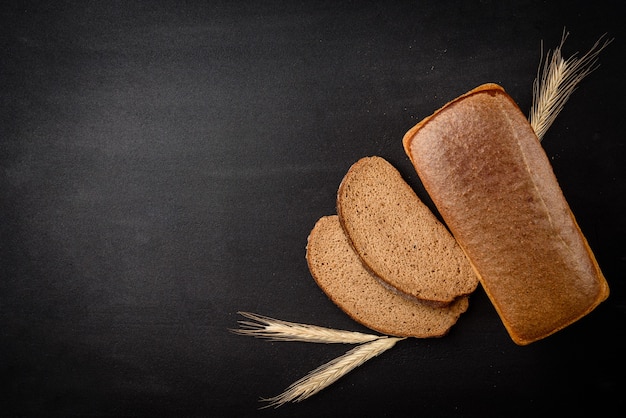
[[398, 237], [489, 177], [338, 271]]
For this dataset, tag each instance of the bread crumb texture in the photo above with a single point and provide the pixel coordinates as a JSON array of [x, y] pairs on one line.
[[339, 272], [398, 238]]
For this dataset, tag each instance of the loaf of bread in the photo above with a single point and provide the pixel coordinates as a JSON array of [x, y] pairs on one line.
[[485, 170], [338, 271], [398, 238]]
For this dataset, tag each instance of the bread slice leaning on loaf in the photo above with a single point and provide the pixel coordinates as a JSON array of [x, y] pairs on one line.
[[398, 237], [338, 271], [484, 168]]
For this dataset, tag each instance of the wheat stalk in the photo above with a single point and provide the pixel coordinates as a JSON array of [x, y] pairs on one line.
[[332, 371], [278, 330], [556, 82]]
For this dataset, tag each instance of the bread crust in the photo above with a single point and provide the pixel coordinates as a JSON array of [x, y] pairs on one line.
[[485, 170], [338, 271]]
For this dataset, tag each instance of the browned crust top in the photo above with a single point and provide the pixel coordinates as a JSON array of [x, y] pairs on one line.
[[490, 179]]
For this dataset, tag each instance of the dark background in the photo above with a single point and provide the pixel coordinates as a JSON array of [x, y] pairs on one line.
[[162, 164]]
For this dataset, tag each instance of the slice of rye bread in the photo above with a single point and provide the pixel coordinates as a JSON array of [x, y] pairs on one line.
[[398, 238], [338, 271]]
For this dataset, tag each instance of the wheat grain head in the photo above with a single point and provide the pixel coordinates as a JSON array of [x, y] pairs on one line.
[[278, 330], [332, 371], [557, 78]]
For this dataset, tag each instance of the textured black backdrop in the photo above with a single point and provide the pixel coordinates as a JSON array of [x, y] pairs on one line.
[[163, 162]]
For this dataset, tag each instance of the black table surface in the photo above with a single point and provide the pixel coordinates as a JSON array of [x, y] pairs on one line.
[[162, 163]]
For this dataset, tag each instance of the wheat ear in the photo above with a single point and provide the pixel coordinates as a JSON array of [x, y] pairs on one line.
[[332, 371], [278, 330], [557, 80]]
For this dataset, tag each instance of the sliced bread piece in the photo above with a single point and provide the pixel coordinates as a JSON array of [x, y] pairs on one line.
[[398, 238], [338, 271], [488, 175]]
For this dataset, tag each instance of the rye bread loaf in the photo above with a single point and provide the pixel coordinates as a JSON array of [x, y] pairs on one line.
[[398, 238], [491, 181], [338, 271]]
